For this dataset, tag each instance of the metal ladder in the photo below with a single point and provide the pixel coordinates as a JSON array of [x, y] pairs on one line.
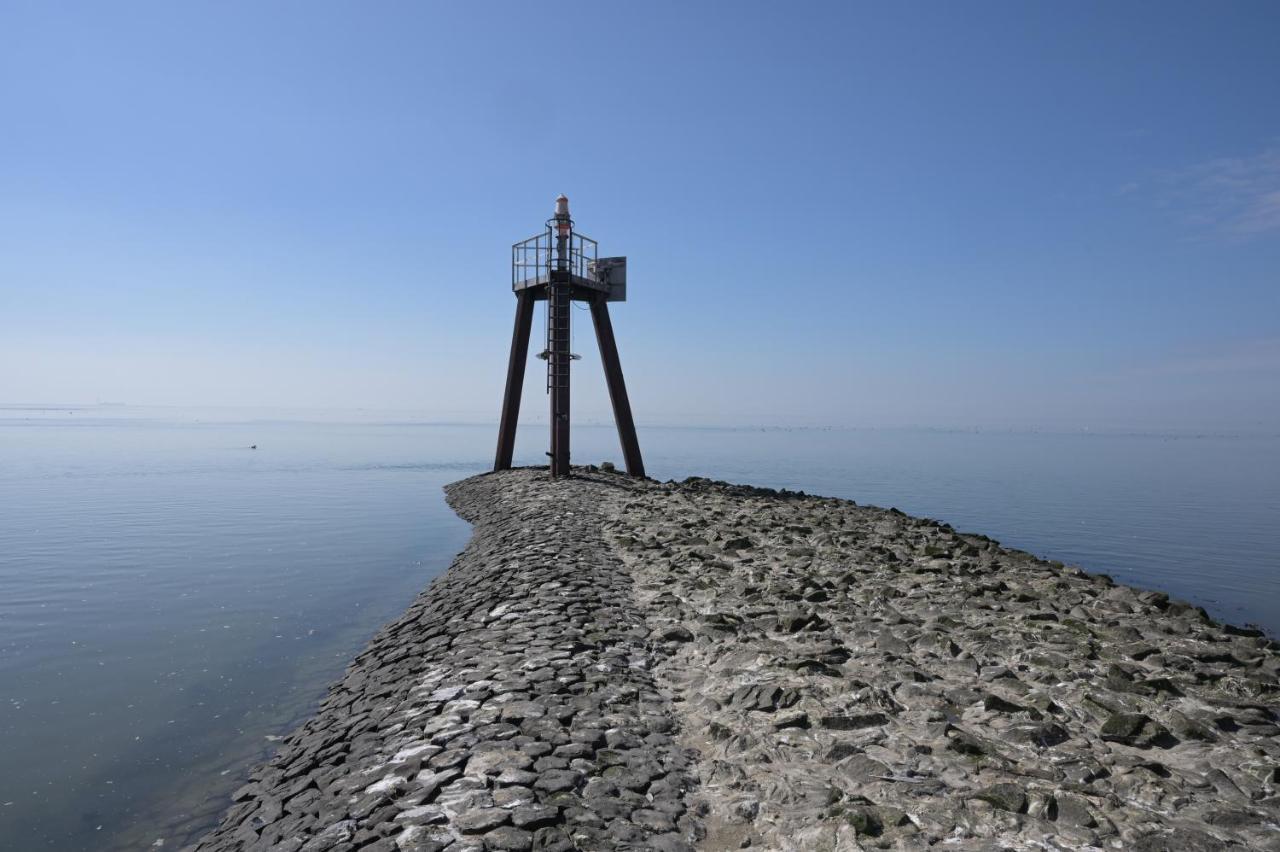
[[558, 335]]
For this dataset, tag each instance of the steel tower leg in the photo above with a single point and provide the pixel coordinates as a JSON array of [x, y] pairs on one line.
[[558, 318], [515, 380], [617, 386]]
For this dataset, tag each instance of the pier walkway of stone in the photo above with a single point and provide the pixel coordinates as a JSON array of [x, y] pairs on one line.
[[623, 664]]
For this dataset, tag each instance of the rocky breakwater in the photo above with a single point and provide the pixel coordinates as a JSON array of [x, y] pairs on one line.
[[620, 664], [510, 708]]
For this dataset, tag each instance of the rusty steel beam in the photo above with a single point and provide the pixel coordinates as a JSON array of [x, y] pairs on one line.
[[515, 380], [617, 387]]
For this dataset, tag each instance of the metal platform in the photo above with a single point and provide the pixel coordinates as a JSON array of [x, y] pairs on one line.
[[533, 265]]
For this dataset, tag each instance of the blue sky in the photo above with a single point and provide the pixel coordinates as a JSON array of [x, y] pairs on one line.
[[980, 214]]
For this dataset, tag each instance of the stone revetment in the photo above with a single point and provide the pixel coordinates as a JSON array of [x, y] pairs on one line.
[[617, 663]]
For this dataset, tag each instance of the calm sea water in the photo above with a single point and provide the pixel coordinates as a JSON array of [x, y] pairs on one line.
[[172, 600]]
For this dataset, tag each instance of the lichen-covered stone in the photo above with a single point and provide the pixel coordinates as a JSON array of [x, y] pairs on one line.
[[959, 693]]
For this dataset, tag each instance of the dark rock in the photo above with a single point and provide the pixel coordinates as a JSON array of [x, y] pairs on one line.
[[865, 820], [814, 667], [997, 704], [678, 633], [853, 721], [763, 698], [556, 780], [1134, 729], [792, 720], [551, 840], [1042, 734], [964, 743], [1006, 797], [1073, 810], [512, 777], [481, 820], [796, 622], [508, 839], [535, 816], [653, 820]]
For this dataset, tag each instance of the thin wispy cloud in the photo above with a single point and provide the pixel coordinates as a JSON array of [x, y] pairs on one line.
[[1236, 197]]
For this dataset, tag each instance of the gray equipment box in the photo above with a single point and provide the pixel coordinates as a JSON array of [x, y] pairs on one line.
[[611, 271]]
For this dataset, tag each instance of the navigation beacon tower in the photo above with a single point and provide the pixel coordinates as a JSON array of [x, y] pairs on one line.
[[560, 266]]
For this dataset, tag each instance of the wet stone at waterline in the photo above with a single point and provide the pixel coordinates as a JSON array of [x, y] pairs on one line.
[[621, 664]]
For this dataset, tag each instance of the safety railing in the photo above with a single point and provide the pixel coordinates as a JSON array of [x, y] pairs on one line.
[[533, 259]]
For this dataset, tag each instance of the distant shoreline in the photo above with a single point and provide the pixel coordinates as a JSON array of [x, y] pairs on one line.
[[416, 417]]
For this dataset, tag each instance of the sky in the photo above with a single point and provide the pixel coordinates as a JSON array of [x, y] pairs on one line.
[[990, 215]]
